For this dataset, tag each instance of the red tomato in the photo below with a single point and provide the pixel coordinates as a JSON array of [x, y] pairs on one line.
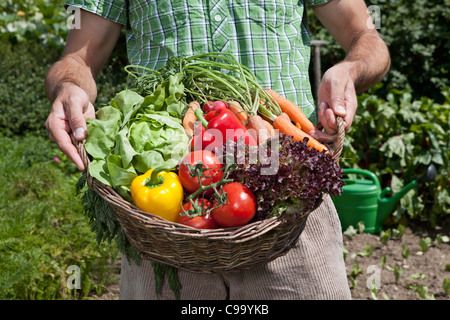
[[209, 161], [201, 221], [239, 209]]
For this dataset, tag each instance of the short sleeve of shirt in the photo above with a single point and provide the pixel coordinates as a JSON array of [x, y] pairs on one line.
[[114, 10], [316, 2]]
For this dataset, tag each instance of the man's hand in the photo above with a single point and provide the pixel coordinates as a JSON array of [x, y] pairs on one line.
[[367, 61], [67, 117], [337, 97], [70, 82]]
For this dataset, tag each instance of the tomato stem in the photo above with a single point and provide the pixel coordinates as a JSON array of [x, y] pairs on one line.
[[197, 209], [214, 185], [227, 168]]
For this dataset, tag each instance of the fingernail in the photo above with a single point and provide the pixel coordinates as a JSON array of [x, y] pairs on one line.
[[79, 133], [341, 109]]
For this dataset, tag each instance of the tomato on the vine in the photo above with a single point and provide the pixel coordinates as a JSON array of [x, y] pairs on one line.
[[239, 209], [201, 221], [212, 170]]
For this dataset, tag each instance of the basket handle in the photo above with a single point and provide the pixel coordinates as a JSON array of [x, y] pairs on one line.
[[80, 145], [338, 144]]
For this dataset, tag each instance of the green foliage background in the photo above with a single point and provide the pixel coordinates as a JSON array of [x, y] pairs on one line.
[[402, 124], [397, 138], [401, 127], [43, 229], [32, 35], [416, 33]]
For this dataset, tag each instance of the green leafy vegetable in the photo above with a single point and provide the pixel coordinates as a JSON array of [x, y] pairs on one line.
[[134, 134]]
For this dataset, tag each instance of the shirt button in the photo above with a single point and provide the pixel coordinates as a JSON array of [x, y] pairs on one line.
[[217, 17]]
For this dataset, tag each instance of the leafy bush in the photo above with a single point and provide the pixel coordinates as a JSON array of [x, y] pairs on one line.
[[43, 21], [43, 228], [417, 34], [402, 125], [23, 103], [397, 139]]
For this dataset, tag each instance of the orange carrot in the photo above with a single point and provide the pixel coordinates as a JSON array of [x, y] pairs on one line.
[[257, 124], [298, 125], [270, 128], [287, 127], [239, 112], [293, 111], [190, 118]]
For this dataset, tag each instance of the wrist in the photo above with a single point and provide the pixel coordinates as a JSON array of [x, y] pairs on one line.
[[354, 69], [60, 87], [62, 76], [357, 72]]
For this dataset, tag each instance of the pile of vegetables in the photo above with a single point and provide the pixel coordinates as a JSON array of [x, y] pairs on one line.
[[180, 142]]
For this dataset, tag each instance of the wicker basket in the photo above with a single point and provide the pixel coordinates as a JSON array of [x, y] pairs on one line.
[[205, 251]]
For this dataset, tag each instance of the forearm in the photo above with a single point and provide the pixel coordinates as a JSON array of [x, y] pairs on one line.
[[367, 57], [86, 51], [70, 69], [368, 60]]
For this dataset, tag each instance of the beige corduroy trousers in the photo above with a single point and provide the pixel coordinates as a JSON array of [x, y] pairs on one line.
[[314, 269]]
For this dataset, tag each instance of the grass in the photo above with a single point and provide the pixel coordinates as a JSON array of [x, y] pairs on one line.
[[43, 228]]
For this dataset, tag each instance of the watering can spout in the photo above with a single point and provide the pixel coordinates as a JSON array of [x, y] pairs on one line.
[[387, 204]]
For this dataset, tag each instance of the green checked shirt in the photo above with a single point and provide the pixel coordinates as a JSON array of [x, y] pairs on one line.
[[268, 36]]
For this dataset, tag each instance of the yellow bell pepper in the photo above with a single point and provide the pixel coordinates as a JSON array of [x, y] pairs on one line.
[[159, 192]]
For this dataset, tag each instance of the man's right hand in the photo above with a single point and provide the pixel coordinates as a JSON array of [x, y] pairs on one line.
[[70, 83], [68, 116]]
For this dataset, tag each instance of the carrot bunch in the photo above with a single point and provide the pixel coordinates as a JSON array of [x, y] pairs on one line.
[[283, 115], [293, 122], [274, 112]]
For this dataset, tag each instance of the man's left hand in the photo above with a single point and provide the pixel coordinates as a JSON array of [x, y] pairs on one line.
[[337, 97]]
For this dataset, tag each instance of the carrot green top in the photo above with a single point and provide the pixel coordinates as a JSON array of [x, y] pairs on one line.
[[270, 37]]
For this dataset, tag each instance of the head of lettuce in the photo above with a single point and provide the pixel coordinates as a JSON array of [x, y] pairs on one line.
[[132, 135]]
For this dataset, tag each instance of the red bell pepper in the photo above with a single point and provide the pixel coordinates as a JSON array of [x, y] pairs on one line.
[[214, 105], [201, 138], [221, 121]]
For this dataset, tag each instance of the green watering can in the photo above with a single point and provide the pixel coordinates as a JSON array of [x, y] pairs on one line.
[[363, 199]]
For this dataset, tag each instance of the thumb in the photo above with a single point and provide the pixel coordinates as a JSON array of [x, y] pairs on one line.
[[337, 99], [75, 112]]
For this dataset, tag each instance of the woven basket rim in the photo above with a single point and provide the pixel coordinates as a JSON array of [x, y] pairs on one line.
[[249, 234], [265, 225]]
